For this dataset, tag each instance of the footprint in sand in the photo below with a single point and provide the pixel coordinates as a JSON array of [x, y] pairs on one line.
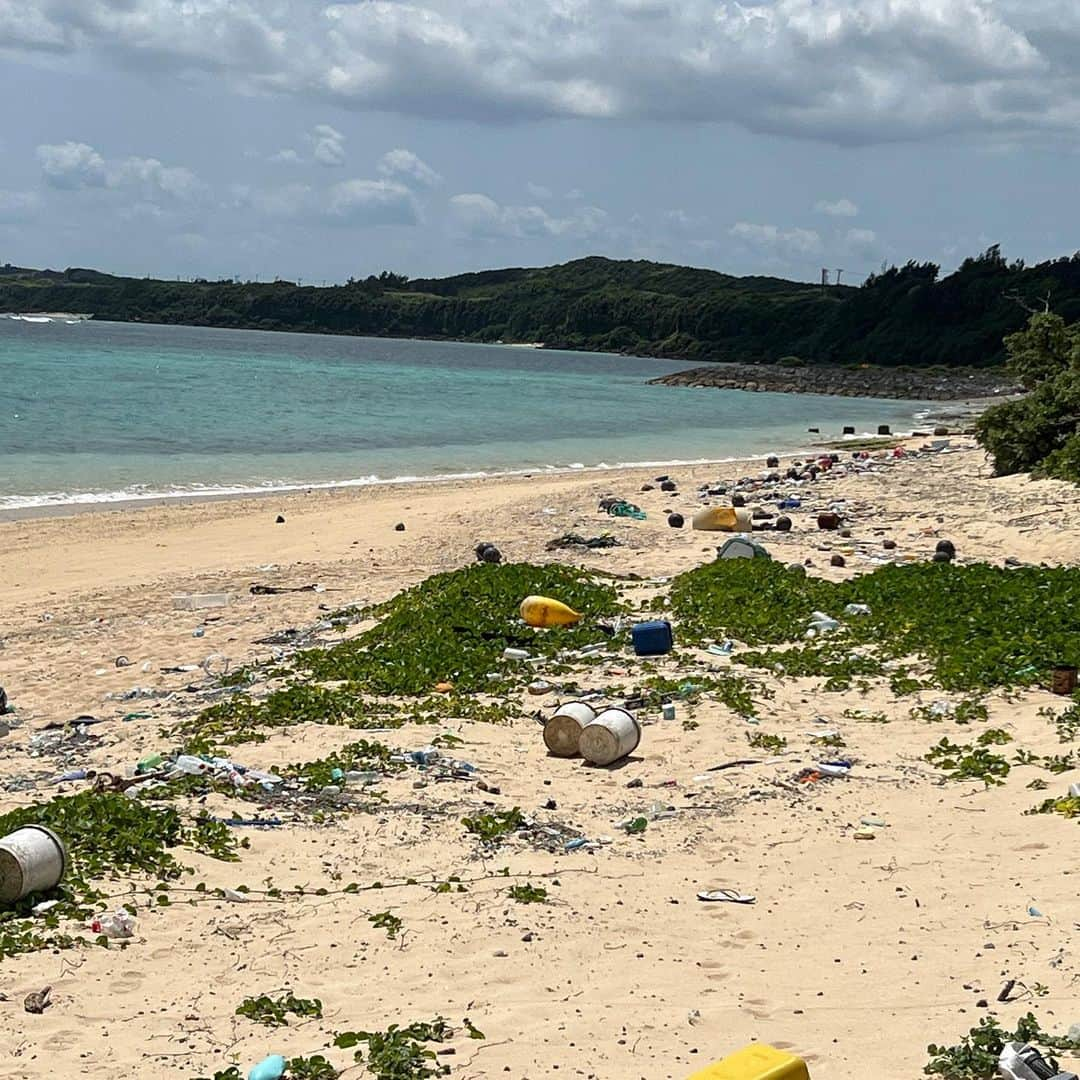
[[65, 1040], [737, 941], [128, 981]]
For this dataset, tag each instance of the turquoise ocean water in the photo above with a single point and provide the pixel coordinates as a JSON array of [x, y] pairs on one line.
[[98, 412]]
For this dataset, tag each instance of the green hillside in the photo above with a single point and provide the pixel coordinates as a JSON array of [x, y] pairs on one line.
[[904, 315]]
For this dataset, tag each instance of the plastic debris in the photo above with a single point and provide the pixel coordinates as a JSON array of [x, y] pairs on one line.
[[117, 926]]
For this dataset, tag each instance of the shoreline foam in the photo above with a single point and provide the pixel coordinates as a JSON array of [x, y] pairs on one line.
[[65, 504]]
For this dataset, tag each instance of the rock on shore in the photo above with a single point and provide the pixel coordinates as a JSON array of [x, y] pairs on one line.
[[905, 383]]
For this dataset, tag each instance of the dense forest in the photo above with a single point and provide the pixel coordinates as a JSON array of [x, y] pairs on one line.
[[907, 315]]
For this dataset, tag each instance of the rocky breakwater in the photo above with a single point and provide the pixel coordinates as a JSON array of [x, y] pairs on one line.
[[901, 383]]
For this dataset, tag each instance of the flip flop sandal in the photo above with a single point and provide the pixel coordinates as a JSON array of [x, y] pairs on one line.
[[729, 895]]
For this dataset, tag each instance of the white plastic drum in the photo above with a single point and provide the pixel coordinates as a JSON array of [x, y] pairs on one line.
[[562, 733], [32, 859], [612, 735]]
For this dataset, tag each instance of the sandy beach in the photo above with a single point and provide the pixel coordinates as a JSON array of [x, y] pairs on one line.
[[855, 956]]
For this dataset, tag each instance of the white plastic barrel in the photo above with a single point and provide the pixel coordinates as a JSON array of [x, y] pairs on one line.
[[32, 859], [562, 733], [612, 735]]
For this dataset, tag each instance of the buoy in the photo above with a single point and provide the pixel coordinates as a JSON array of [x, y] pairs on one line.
[[542, 611]]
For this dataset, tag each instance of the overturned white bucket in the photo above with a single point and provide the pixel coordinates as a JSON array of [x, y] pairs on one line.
[[612, 735], [32, 859], [562, 733]]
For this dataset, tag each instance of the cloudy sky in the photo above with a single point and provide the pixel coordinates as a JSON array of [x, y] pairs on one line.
[[301, 139]]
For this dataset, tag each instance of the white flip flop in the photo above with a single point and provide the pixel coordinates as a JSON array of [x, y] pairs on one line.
[[729, 895]]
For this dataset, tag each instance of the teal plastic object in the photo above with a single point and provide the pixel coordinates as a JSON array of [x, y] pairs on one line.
[[270, 1068]]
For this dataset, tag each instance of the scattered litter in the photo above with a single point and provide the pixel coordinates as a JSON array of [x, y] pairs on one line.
[[122, 661], [255, 822], [118, 925], [542, 612], [1021, 1061], [865, 834], [569, 540], [38, 1001], [270, 1068], [276, 590], [613, 735], [730, 896], [622, 508], [73, 774], [199, 601], [487, 553], [653, 638], [741, 547], [32, 859]]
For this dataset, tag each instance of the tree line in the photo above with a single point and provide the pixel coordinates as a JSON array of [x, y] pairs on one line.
[[903, 315]]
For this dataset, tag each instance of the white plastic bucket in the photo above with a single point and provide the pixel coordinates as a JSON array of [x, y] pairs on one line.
[[32, 859], [612, 735], [562, 733]]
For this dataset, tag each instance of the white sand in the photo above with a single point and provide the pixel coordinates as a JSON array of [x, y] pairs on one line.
[[856, 955]]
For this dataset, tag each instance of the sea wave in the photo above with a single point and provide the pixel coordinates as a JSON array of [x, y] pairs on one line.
[[203, 492]]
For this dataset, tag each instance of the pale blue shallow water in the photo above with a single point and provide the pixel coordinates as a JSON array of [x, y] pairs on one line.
[[98, 412]]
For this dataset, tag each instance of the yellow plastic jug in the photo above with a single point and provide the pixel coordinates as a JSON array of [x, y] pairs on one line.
[[723, 519], [756, 1062], [542, 611]]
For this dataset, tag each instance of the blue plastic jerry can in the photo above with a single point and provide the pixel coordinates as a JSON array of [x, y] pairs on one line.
[[652, 638]]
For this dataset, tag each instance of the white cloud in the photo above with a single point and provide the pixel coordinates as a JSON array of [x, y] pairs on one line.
[[839, 208], [406, 163], [777, 241], [679, 220], [539, 192], [287, 156], [862, 242], [372, 202], [154, 178], [285, 201], [477, 215], [194, 242], [72, 165], [328, 146], [16, 206], [846, 71]]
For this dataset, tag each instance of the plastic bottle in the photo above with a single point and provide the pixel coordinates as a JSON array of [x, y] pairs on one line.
[[148, 763], [193, 766], [270, 1068], [358, 776], [120, 924]]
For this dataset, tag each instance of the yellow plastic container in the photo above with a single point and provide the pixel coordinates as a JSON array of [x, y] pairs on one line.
[[723, 519], [756, 1062], [542, 611]]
